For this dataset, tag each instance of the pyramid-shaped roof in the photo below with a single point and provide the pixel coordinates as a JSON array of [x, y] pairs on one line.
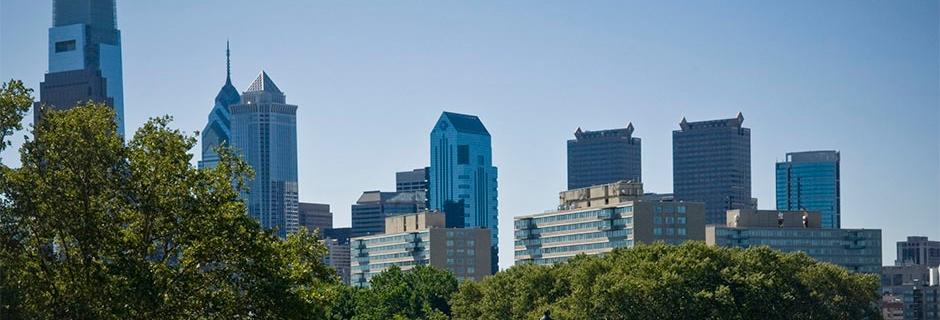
[[466, 123], [263, 83]]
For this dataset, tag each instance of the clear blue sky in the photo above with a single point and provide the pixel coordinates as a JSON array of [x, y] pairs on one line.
[[371, 78]]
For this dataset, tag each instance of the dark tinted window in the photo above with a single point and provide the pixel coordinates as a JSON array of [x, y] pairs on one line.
[[63, 46], [463, 154]]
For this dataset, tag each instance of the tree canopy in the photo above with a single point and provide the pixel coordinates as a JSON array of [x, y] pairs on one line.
[[660, 281], [93, 228]]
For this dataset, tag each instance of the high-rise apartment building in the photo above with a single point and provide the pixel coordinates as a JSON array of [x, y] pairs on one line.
[[857, 250], [711, 163], [810, 181], [605, 156], [264, 133], [421, 239], [84, 58], [919, 251], [218, 131], [598, 219], [370, 211], [462, 171], [315, 216]]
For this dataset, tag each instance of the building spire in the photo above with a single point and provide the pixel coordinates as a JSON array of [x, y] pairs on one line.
[[228, 63]]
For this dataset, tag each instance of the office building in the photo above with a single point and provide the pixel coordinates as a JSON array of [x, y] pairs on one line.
[[711, 163], [462, 172], [917, 287], [264, 134], [857, 250], [596, 220], [414, 180], [337, 257], [218, 131], [601, 157], [421, 239], [315, 216], [369, 212], [810, 181], [84, 58], [918, 250]]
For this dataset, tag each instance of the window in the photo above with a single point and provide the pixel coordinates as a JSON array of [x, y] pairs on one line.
[[680, 220], [63, 46], [463, 154], [658, 231]]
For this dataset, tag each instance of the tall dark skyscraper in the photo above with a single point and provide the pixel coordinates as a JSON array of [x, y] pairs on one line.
[[711, 162], [462, 171], [810, 181], [602, 157], [218, 130], [84, 58], [264, 133]]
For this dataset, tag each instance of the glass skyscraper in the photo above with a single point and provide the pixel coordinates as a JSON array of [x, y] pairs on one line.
[[264, 133], [462, 172], [601, 157], [218, 129], [84, 58], [810, 181], [711, 162]]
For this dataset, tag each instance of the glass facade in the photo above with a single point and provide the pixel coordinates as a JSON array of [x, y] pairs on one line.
[[264, 133], [810, 181], [857, 250], [711, 163], [462, 170], [601, 157], [84, 58]]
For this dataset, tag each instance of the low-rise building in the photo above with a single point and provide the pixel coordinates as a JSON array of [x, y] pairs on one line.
[[599, 219], [421, 239], [857, 250]]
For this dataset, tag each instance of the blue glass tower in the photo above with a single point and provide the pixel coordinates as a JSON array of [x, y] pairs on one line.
[[462, 171], [264, 132], [218, 129], [711, 163], [810, 181], [84, 58]]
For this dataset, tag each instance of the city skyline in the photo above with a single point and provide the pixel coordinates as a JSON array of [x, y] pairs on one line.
[[835, 93]]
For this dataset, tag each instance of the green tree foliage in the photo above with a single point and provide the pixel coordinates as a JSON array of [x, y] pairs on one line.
[[691, 281], [92, 228], [419, 293]]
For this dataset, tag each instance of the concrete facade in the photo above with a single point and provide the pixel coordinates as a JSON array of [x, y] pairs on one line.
[[857, 250], [420, 239], [556, 236]]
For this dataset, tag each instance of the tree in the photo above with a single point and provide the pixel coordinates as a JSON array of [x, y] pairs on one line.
[[94, 228], [674, 282], [420, 293]]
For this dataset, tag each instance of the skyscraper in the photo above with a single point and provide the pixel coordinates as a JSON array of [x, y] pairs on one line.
[[711, 162], [264, 133], [84, 58], [218, 130], [810, 181], [462, 170], [315, 216], [601, 157]]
